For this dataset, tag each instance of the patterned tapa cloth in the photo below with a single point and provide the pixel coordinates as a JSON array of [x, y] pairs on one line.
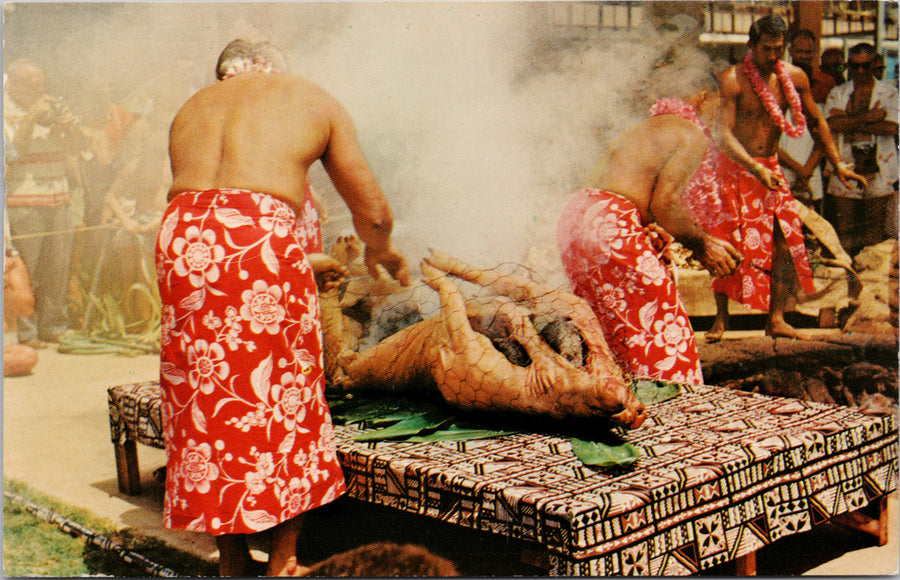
[[723, 474], [248, 431], [618, 266], [753, 208]]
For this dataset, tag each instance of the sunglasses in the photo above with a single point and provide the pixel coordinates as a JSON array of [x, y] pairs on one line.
[[860, 65]]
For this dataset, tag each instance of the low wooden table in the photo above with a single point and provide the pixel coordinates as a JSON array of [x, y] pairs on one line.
[[723, 474]]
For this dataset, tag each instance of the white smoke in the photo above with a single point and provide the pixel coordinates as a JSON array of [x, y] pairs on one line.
[[479, 119]]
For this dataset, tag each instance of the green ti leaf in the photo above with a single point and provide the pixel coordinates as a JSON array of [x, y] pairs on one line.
[[603, 455]]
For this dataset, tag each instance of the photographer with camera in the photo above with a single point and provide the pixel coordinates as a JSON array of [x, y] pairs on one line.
[[863, 114], [43, 136]]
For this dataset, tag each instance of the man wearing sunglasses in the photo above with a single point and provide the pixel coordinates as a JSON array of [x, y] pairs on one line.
[[863, 114]]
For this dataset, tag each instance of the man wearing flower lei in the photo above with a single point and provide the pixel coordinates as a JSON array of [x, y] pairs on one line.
[[613, 236], [249, 440], [759, 212]]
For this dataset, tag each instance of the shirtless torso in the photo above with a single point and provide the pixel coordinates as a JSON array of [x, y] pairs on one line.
[[262, 132], [651, 164]]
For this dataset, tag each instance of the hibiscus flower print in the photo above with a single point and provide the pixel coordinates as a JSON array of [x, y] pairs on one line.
[[278, 218], [603, 232], [753, 240], [262, 307], [167, 323], [612, 298], [651, 268], [198, 256], [255, 482], [207, 364], [196, 468], [291, 398], [671, 333], [295, 497]]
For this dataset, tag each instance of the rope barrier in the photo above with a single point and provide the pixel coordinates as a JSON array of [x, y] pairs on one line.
[[105, 542], [61, 232]]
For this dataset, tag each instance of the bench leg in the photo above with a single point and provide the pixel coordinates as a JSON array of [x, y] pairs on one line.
[[876, 526], [127, 471], [745, 565]]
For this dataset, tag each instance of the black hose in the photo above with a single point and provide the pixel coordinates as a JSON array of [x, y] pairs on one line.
[[96, 538]]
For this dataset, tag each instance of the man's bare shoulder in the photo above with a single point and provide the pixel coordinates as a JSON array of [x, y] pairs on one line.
[[730, 80], [276, 86], [674, 129], [798, 75]]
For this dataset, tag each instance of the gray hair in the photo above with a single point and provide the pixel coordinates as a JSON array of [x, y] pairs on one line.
[[241, 54]]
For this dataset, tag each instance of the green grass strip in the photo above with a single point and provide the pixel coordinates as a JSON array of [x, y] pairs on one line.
[[33, 546]]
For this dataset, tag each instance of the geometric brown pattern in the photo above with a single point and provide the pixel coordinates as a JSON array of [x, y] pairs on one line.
[[723, 473]]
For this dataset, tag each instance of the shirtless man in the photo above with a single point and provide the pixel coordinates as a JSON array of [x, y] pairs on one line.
[[754, 190], [612, 238], [248, 431]]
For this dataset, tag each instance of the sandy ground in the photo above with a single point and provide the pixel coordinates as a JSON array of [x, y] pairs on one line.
[[56, 439]]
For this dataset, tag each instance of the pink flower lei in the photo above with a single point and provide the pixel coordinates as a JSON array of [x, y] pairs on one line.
[[246, 65], [790, 92]]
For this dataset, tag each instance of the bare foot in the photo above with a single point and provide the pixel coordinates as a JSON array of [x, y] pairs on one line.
[[288, 568], [717, 331], [785, 330]]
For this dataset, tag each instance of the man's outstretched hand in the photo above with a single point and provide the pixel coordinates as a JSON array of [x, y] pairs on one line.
[[392, 260]]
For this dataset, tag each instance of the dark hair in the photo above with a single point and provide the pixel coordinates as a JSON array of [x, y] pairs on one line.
[[384, 559], [863, 47], [771, 25], [802, 32]]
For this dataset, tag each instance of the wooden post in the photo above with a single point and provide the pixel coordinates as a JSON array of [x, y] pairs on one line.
[[808, 14], [127, 471], [877, 526], [745, 565]]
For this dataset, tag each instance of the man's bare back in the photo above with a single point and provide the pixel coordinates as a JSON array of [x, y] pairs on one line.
[[651, 164], [652, 161], [256, 131]]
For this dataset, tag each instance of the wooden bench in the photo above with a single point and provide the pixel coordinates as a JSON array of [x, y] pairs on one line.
[[723, 473]]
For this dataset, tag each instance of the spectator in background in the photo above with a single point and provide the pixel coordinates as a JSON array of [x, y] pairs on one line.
[[134, 204], [863, 114], [803, 50], [18, 302], [832, 63], [801, 158], [878, 67], [45, 136]]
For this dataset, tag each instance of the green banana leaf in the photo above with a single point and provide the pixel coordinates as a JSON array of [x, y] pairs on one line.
[[378, 411], [650, 392], [426, 422], [456, 433], [602, 455]]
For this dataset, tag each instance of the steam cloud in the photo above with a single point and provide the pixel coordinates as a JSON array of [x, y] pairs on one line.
[[479, 119]]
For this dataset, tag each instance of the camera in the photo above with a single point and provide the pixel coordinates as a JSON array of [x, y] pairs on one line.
[[59, 114]]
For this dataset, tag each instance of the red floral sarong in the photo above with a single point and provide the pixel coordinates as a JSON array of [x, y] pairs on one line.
[[753, 208], [617, 265], [249, 438]]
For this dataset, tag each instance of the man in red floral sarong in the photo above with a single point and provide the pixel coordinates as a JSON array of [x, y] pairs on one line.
[[249, 437], [613, 249], [762, 220]]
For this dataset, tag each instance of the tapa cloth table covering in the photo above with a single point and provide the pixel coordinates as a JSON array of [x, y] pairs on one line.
[[723, 473]]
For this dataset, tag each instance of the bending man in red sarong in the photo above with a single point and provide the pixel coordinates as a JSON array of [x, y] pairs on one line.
[[613, 237], [756, 200], [249, 438]]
